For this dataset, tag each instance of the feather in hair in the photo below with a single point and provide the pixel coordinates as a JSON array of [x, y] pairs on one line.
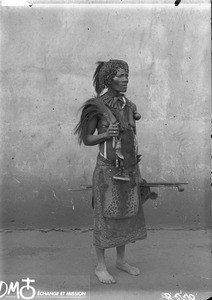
[[98, 85]]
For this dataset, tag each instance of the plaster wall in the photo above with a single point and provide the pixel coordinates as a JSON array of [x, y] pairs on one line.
[[48, 57]]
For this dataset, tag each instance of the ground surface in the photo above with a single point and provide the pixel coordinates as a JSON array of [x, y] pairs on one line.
[[170, 262]]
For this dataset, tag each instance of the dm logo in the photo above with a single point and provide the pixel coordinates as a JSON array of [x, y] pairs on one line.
[[21, 291]]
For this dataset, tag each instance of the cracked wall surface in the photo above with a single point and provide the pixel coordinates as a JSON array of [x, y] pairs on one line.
[[48, 58]]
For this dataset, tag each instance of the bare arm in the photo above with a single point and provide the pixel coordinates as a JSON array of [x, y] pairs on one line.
[[91, 139]]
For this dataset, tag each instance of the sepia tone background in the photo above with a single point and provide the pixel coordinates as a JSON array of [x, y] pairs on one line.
[[48, 57]]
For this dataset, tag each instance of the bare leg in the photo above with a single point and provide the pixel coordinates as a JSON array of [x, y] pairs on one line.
[[101, 269], [122, 264]]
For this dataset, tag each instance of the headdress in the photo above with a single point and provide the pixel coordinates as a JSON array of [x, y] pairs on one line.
[[105, 72]]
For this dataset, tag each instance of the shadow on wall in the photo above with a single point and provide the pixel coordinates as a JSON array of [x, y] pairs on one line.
[[35, 203], [46, 75]]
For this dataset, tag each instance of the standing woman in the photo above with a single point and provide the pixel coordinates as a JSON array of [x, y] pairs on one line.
[[118, 212]]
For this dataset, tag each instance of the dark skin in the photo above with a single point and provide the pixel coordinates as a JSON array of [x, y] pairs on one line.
[[105, 133], [118, 86]]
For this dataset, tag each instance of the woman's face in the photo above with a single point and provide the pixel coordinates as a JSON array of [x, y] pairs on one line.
[[120, 81]]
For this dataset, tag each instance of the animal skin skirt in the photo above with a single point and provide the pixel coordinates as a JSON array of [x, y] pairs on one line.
[[118, 209]]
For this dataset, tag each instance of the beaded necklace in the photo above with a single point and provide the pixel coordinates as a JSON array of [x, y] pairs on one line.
[[115, 102]]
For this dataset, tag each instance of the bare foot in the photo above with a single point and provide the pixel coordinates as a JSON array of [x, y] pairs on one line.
[[104, 276], [127, 268]]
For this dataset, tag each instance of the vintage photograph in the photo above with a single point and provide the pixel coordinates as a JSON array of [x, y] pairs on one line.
[[105, 150]]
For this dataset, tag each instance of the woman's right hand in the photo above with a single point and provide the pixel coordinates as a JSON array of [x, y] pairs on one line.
[[113, 130]]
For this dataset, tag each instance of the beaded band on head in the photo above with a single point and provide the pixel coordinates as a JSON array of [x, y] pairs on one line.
[[105, 72]]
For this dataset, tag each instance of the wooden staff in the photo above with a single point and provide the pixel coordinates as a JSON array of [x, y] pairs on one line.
[[178, 185]]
